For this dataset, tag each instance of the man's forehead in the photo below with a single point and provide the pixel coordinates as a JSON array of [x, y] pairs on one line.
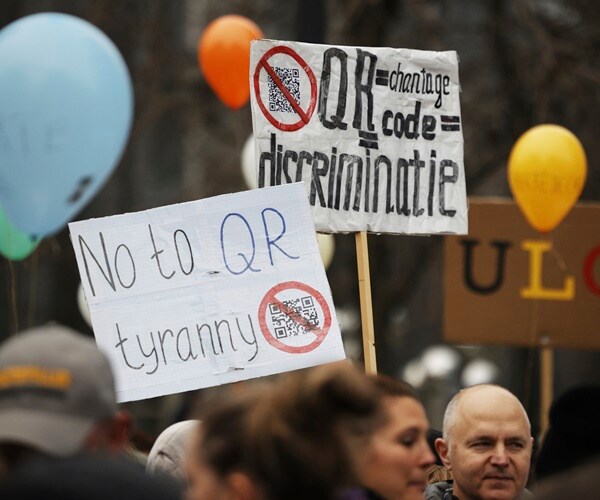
[[490, 415], [491, 429]]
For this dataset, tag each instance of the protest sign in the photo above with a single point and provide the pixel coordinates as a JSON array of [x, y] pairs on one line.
[[508, 284], [375, 133], [207, 292]]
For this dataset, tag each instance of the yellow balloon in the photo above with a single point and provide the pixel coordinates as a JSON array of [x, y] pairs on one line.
[[547, 169]]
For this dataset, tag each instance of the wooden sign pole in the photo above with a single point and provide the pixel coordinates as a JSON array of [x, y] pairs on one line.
[[366, 305], [546, 385]]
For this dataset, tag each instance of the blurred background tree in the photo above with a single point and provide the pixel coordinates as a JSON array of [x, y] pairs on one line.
[[522, 62]]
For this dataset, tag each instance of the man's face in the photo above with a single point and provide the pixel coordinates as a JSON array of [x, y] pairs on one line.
[[489, 448]]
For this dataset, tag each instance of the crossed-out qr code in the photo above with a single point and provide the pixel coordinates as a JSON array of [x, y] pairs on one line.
[[290, 77], [297, 317]]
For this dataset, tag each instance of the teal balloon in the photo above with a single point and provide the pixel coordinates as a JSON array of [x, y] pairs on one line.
[[66, 108], [14, 244]]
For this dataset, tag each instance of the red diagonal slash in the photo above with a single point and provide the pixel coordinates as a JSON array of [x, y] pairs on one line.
[[304, 115], [319, 332]]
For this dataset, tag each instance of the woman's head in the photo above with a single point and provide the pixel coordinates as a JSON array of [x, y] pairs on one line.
[[309, 427], [396, 460], [217, 461], [294, 440]]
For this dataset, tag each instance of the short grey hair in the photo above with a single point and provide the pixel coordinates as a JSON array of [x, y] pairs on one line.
[[451, 413]]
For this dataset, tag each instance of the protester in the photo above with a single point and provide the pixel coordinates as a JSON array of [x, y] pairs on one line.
[[169, 450], [394, 463], [294, 440], [579, 482], [57, 397], [568, 442], [85, 477], [486, 445]]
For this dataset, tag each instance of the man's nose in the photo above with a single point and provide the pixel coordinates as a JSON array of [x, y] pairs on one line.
[[500, 456]]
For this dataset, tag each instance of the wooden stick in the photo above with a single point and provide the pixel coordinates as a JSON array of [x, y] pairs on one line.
[[366, 305], [546, 385]]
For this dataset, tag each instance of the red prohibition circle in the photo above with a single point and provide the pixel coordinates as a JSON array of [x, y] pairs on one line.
[[320, 333], [304, 115]]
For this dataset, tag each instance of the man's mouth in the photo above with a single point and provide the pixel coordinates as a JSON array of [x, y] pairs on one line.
[[499, 477]]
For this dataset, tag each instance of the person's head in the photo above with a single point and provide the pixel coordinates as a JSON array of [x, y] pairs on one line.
[[397, 457], [216, 463], [568, 441], [310, 431], [57, 396], [169, 450], [580, 481], [486, 443], [294, 440]]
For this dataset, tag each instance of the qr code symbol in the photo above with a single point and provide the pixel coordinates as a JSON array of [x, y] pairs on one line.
[[290, 78], [297, 317]]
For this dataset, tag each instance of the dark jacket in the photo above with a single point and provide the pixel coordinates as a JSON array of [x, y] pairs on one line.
[[439, 491], [443, 491]]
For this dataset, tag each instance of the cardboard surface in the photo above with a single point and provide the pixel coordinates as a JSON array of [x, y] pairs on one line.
[[546, 291]]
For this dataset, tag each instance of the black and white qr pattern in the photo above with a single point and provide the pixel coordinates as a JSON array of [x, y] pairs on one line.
[[286, 326], [290, 77]]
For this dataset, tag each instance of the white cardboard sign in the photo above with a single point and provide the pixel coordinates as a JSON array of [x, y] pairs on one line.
[[208, 292], [375, 133]]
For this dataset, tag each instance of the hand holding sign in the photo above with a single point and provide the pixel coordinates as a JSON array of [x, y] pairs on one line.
[[546, 171], [224, 57], [66, 107]]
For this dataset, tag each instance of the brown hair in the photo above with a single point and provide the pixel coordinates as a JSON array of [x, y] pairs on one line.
[[293, 439], [303, 434], [389, 386], [224, 429]]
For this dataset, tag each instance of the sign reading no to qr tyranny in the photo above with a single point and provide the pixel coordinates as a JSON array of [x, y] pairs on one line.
[[375, 134], [208, 292]]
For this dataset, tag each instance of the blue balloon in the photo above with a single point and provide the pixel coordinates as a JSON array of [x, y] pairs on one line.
[[66, 107]]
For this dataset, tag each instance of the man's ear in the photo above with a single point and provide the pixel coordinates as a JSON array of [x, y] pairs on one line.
[[242, 487], [441, 446]]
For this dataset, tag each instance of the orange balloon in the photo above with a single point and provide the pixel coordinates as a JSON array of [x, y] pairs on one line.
[[547, 169], [224, 57]]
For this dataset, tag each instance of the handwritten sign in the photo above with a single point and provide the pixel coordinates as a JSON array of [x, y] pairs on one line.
[[208, 292], [375, 134]]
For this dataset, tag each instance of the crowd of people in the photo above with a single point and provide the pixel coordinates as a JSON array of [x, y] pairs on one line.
[[329, 432]]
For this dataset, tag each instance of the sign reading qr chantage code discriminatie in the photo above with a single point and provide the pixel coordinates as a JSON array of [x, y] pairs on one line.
[[208, 292], [375, 134]]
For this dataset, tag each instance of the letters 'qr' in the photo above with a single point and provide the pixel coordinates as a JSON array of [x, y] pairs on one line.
[[290, 77], [286, 322]]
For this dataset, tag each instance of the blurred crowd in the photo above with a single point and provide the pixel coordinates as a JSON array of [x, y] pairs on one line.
[[328, 432]]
